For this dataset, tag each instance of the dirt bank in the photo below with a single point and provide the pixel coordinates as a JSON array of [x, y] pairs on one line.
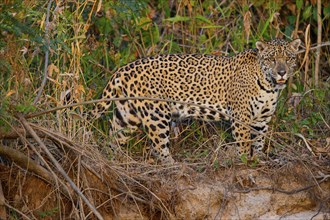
[[177, 192]]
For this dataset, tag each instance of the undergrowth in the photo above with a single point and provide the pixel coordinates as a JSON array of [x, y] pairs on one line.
[[88, 40]]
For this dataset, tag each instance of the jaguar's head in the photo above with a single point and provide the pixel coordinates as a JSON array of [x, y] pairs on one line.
[[277, 59]]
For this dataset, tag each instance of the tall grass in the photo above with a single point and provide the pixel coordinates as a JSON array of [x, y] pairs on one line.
[[89, 40]]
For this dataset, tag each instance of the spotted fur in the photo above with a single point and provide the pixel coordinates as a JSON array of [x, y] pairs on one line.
[[244, 87]]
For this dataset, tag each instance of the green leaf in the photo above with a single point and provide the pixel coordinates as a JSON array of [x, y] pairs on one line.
[[211, 26], [202, 38], [305, 122], [202, 18], [299, 4], [155, 34], [307, 12], [216, 165], [292, 19], [326, 11], [255, 162], [315, 13], [117, 41], [25, 108], [104, 25], [244, 158], [178, 18]]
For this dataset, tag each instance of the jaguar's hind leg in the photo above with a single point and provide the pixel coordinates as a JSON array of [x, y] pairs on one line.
[[123, 124], [156, 122], [160, 142]]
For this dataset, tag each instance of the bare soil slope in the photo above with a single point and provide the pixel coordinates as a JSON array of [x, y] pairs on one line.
[[295, 188]]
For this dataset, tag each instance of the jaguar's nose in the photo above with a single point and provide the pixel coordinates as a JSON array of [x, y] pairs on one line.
[[281, 72]]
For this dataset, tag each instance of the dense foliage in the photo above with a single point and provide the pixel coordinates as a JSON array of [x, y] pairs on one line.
[[54, 53], [88, 40]]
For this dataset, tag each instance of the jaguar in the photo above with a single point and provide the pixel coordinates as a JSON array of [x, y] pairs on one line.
[[243, 88]]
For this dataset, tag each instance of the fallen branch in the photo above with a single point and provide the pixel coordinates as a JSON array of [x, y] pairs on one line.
[[58, 166], [25, 162], [13, 134], [56, 137], [22, 134]]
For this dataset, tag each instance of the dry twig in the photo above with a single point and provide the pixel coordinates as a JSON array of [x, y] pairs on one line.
[[319, 39], [323, 44], [18, 211], [305, 141], [3, 214], [58, 166], [43, 83]]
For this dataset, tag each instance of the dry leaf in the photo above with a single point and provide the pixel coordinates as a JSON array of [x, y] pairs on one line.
[[52, 68], [247, 24], [79, 89], [99, 5], [10, 93]]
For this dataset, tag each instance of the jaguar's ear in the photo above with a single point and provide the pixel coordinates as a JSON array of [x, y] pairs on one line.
[[295, 44], [261, 46]]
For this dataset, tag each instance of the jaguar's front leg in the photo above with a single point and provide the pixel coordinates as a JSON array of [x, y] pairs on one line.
[[242, 134], [258, 136]]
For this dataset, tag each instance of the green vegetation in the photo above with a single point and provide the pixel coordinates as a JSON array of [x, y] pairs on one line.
[[48, 213], [86, 41], [89, 40]]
